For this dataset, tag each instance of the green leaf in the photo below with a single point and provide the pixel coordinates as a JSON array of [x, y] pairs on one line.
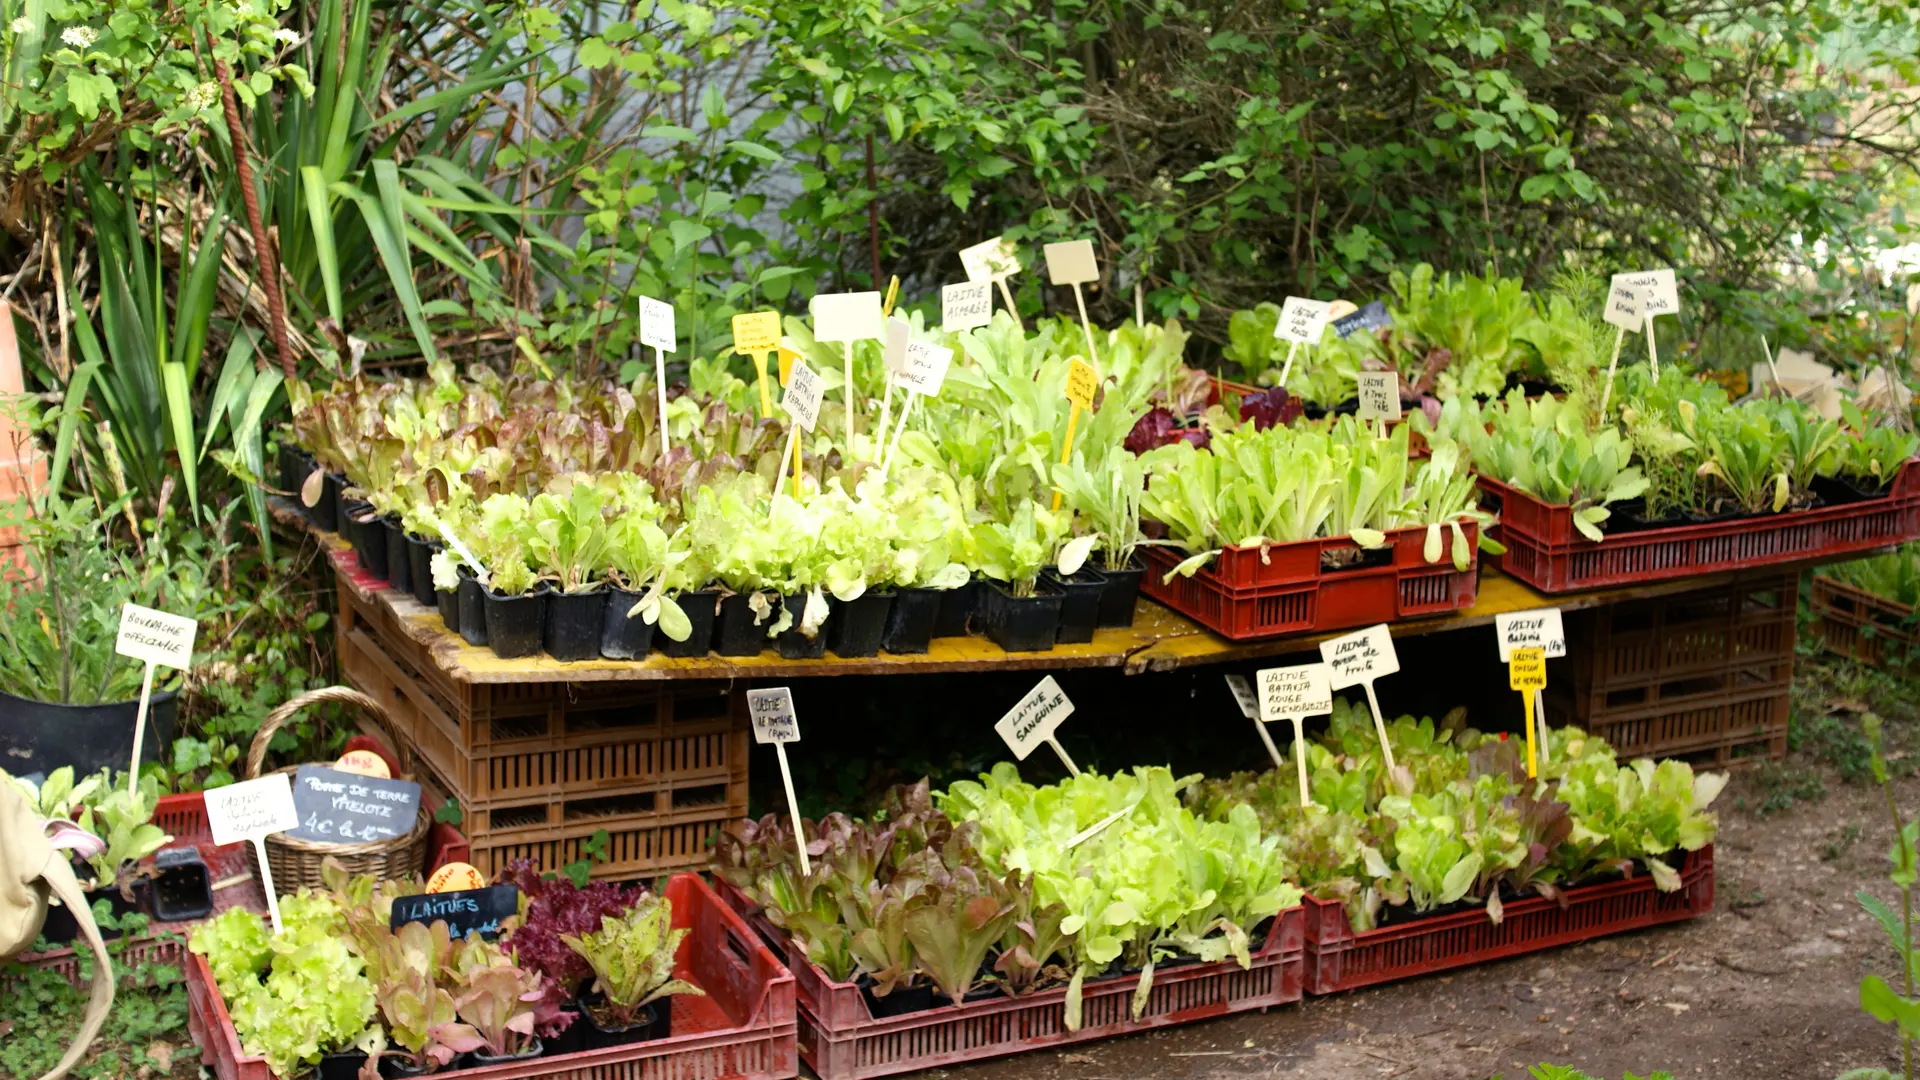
[[687, 233]]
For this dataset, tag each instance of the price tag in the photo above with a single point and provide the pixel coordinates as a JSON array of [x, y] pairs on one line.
[[773, 717], [965, 305], [465, 911], [1071, 262], [1374, 316], [1302, 320], [251, 811], [1539, 628], [1379, 395], [1527, 669], [1034, 719], [348, 808], [1359, 657], [1293, 692], [847, 316], [756, 332], [156, 637], [804, 391], [894, 353], [1655, 291], [363, 763], [1623, 306], [455, 877], [1243, 696], [656, 324], [990, 260], [1082, 380], [926, 368]]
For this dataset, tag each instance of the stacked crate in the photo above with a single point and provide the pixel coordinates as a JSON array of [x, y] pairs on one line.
[[539, 768], [1871, 629], [1702, 675]]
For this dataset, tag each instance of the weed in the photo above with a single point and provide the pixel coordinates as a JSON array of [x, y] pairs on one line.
[[1781, 786], [1839, 844], [40, 1011]]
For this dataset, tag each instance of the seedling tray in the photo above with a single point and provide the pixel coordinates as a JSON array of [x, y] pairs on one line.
[[1871, 629], [841, 1040], [1547, 552], [1316, 585], [743, 1027], [1339, 959]]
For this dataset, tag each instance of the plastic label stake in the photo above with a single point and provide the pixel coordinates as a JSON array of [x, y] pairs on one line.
[[1295, 693], [774, 722], [965, 305], [1082, 380], [1623, 314], [802, 402], [1540, 628], [153, 638], [756, 334], [1243, 696], [1527, 673], [1071, 262], [1034, 719], [994, 260], [656, 332], [893, 357], [847, 318], [789, 355], [1302, 322], [923, 375], [1379, 394], [253, 810], [1358, 659]]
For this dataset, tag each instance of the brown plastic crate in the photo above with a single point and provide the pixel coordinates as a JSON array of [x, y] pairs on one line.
[[1868, 628], [539, 768], [1703, 675]]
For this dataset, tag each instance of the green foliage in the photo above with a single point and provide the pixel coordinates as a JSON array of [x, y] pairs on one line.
[[632, 957], [43, 1011], [1894, 576], [1879, 999], [294, 995]]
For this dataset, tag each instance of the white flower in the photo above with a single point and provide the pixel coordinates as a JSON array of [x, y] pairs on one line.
[[80, 37], [203, 95], [21, 25], [286, 37]]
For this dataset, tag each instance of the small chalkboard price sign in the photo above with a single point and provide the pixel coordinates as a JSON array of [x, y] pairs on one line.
[[349, 808], [468, 911]]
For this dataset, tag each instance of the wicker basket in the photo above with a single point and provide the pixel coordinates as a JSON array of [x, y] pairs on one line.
[[296, 862]]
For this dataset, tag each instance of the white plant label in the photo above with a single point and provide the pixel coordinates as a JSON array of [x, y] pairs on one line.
[[156, 637], [853, 316], [1379, 395], [1655, 291], [804, 391], [965, 305], [1071, 262], [926, 368], [1623, 304], [656, 324], [1293, 692], [1303, 320], [991, 260], [1034, 720], [251, 811], [1540, 628], [773, 717], [1362, 656], [894, 353], [1243, 696]]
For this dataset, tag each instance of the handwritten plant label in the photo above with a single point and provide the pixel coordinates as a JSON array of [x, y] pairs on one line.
[[1293, 692], [965, 305], [926, 368], [756, 332], [1656, 292], [1359, 657], [467, 911], [1302, 320], [1082, 380], [1379, 395], [656, 324], [893, 354], [156, 637], [456, 877], [1539, 628], [348, 808], [853, 316], [1034, 719], [1374, 316], [1527, 669], [804, 391], [991, 260], [363, 763], [251, 809], [1243, 696], [1623, 304], [1071, 262], [773, 716]]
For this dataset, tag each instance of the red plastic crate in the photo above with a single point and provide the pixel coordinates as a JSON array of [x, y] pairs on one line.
[[841, 1040], [1871, 629], [1300, 587], [1547, 552], [1339, 959], [744, 1027]]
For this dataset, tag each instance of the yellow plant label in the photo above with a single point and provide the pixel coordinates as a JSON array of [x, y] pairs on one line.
[[1081, 382], [756, 332], [1527, 669], [788, 354]]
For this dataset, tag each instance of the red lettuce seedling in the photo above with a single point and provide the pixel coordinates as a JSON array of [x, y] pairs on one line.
[[556, 908]]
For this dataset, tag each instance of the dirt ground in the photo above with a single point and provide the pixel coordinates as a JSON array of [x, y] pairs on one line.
[[1765, 986]]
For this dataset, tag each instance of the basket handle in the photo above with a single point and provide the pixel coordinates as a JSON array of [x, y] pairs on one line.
[[257, 753]]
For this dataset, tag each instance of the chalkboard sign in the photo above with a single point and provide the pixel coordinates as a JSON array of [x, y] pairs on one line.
[[349, 808], [1372, 317], [466, 911]]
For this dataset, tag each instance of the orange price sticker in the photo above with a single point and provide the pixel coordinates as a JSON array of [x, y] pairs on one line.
[[455, 877], [364, 763]]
